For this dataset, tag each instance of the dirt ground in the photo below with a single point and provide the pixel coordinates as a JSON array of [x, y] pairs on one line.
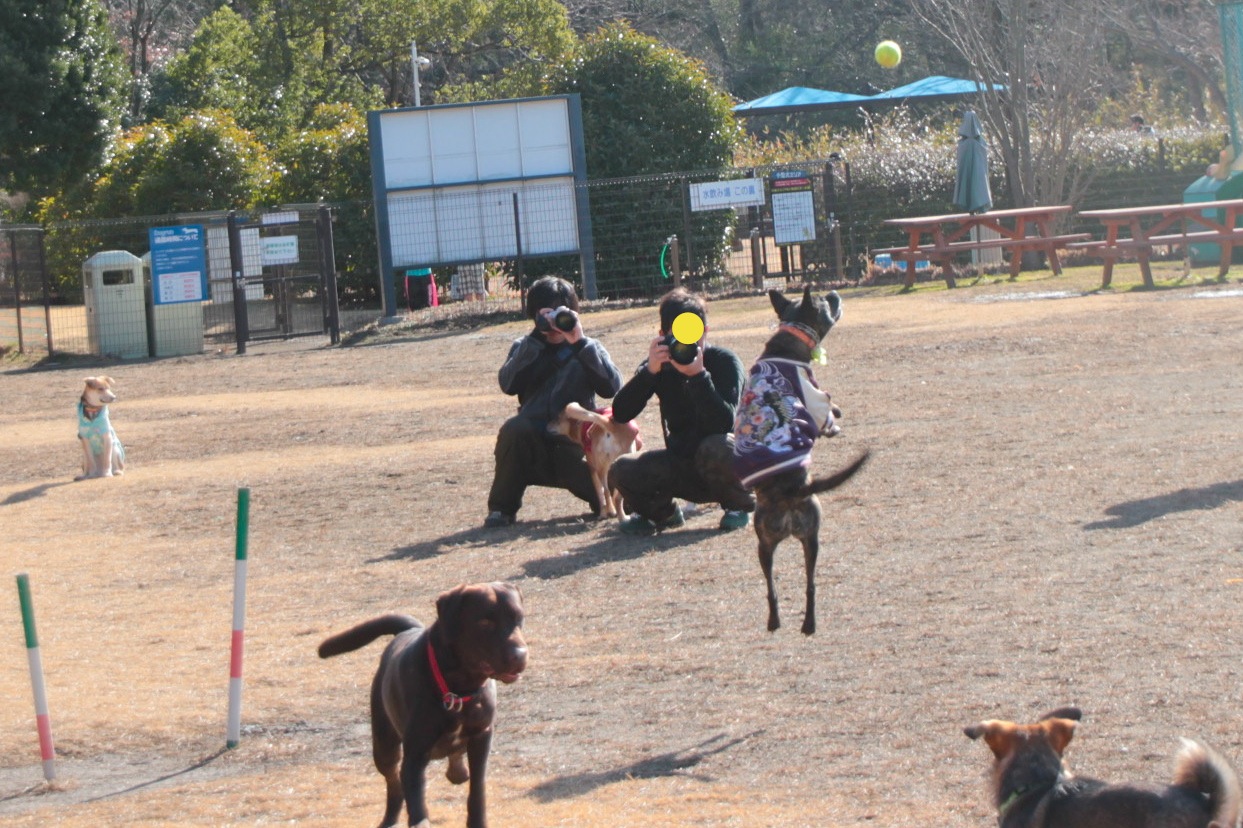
[[1052, 516]]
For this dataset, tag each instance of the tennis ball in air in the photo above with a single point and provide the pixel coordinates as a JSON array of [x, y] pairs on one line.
[[888, 54], [688, 328]]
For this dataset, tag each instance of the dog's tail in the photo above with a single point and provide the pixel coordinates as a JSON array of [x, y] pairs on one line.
[[823, 484], [1201, 769], [366, 632]]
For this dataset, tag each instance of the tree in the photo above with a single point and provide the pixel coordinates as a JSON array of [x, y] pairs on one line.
[[647, 110], [219, 70], [330, 161], [151, 31], [63, 88], [1051, 57]]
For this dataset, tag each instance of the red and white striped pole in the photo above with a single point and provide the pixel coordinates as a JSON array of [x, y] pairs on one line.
[[239, 621], [43, 720]]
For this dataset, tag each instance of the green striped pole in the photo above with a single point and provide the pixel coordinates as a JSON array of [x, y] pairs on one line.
[[239, 620], [42, 719]]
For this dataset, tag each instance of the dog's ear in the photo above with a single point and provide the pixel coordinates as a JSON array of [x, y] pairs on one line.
[[998, 735], [807, 300], [835, 306], [1059, 733], [780, 302], [447, 606]]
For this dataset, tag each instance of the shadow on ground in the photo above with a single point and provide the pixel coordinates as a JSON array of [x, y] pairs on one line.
[[480, 536], [1135, 512], [611, 548], [654, 767]]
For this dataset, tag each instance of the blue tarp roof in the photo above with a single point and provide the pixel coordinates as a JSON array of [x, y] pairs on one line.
[[933, 87], [798, 99], [805, 99]]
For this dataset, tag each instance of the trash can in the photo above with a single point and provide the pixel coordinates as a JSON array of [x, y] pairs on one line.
[[1208, 188], [116, 306], [174, 329]]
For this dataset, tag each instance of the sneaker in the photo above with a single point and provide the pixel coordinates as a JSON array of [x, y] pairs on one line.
[[732, 520], [639, 525], [496, 520]]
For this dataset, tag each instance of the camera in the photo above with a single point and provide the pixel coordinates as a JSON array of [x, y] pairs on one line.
[[679, 352], [563, 319]]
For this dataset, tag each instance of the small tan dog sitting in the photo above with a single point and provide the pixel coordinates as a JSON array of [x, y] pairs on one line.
[[102, 452], [603, 441]]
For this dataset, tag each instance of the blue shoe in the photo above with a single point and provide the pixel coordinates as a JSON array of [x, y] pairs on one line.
[[732, 520]]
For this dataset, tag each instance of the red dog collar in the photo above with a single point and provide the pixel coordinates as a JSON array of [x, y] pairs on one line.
[[800, 332], [452, 701]]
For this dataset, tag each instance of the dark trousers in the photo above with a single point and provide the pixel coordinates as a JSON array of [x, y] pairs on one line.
[[527, 455], [650, 480]]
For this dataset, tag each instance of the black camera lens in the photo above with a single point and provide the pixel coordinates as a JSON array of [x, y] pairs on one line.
[[679, 352], [565, 319]]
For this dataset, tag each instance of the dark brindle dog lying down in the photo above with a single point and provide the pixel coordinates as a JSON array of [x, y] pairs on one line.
[[1033, 788], [434, 697], [781, 414]]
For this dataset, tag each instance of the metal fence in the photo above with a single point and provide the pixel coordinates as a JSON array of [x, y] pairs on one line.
[[87, 287], [646, 234]]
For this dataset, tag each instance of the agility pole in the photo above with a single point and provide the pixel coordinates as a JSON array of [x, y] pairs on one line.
[[43, 720], [239, 620]]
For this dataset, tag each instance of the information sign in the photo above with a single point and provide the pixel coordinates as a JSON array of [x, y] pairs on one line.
[[178, 264]]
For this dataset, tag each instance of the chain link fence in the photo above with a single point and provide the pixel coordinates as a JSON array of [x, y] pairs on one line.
[[647, 234]]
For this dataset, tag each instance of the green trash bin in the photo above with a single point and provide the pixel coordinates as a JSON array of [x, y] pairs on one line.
[[1207, 188]]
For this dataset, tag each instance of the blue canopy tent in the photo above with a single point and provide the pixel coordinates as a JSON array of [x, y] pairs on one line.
[[805, 99], [933, 88], [799, 99]]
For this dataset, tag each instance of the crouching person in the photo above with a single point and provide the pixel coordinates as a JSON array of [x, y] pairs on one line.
[[555, 364], [698, 388]]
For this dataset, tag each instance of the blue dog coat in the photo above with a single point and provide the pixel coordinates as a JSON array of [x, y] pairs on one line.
[[95, 429]]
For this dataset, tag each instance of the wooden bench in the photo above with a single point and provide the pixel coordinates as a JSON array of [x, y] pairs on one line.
[[944, 254], [950, 235], [1221, 219]]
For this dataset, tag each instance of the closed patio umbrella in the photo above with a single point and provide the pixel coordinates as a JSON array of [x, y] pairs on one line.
[[971, 192]]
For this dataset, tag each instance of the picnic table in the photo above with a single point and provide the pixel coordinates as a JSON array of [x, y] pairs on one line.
[[1149, 226], [1018, 229]]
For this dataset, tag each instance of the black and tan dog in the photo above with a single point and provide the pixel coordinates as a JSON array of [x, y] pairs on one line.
[[781, 414], [434, 695], [1034, 789]]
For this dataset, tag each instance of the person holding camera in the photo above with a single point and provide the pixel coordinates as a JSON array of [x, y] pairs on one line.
[[698, 387], [553, 365]]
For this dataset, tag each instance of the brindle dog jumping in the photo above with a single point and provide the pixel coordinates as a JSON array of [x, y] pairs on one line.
[[782, 387]]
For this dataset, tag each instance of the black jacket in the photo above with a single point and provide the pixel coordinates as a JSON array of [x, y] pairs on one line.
[[691, 408]]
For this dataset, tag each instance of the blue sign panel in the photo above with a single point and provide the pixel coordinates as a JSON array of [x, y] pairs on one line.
[[178, 264]]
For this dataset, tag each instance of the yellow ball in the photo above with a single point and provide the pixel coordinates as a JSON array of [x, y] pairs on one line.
[[688, 328], [888, 54]]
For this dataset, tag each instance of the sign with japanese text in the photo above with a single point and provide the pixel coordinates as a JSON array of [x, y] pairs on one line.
[[178, 264]]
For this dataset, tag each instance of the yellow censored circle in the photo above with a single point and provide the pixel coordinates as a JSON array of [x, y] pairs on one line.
[[688, 328]]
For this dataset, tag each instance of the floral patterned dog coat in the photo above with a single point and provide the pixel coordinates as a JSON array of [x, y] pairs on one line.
[[781, 414]]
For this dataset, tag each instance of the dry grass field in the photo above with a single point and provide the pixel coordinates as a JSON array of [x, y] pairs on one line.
[[1052, 515]]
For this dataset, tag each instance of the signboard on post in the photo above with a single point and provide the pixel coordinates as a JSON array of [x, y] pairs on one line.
[[481, 181], [794, 208], [178, 264], [719, 195], [279, 250]]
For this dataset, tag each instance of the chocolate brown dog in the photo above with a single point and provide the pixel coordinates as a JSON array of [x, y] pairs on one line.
[[1034, 789], [780, 415], [434, 697]]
